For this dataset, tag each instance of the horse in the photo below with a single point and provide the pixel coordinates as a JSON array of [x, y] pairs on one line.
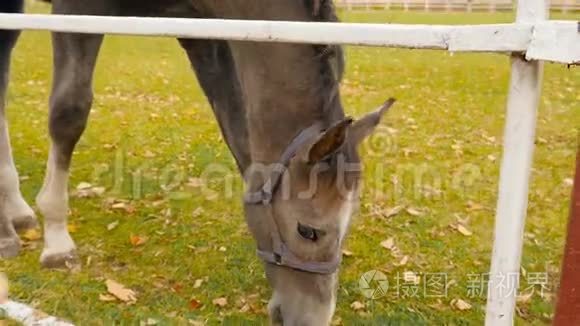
[[279, 110]]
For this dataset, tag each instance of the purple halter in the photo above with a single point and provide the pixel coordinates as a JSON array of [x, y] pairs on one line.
[[281, 254]]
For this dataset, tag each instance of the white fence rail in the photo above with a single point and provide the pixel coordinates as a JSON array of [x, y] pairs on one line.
[[556, 41], [450, 5], [529, 39]]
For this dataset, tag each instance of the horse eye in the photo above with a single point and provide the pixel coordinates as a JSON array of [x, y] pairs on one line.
[[307, 233]]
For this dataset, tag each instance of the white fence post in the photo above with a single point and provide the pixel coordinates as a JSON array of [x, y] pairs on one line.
[[522, 106]]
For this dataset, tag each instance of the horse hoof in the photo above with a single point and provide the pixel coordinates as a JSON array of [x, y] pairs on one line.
[[25, 222], [20, 213], [9, 247], [68, 260]]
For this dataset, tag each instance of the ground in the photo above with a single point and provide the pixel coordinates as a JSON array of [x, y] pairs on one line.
[[165, 231]]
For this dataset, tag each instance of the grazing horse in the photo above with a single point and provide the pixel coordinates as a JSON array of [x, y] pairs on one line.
[[279, 110]]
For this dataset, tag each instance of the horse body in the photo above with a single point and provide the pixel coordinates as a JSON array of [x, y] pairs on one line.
[[262, 95]]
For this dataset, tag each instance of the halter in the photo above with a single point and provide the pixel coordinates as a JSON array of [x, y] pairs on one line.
[[281, 254]]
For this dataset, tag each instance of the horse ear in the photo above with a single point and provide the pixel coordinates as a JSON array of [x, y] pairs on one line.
[[363, 127], [329, 141]]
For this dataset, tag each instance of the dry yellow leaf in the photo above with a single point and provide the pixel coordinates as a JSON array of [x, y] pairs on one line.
[[121, 292], [72, 228], [357, 305], [414, 211], [84, 185], [460, 304], [403, 261], [31, 235], [112, 225], [389, 243], [393, 211], [107, 298], [463, 230], [525, 297], [472, 206], [220, 302], [197, 283]]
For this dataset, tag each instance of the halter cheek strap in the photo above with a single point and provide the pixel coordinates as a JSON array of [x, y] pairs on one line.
[[281, 254]]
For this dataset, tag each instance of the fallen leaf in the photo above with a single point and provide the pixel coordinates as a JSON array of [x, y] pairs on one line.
[[460, 304], [86, 190], [107, 298], [388, 244], [84, 185], [194, 304], [177, 287], [197, 212], [347, 253], [197, 283], [121, 292], [542, 140], [220, 302], [357, 305], [31, 235], [463, 230], [137, 240], [414, 211], [471, 206], [403, 261], [72, 228], [393, 211], [245, 308], [524, 298], [123, 206], [524, 313], [462, 220], [149, 154], [98, 190], [112, 225]]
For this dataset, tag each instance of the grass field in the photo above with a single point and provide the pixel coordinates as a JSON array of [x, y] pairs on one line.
[[152, 135]]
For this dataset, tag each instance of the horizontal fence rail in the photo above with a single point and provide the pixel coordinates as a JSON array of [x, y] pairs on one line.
[[450, 5], [557, 41]]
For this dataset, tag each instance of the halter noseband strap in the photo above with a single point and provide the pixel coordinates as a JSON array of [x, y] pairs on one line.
[[280, 254]]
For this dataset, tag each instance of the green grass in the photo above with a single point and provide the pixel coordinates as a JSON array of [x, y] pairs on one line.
[[448, 122]]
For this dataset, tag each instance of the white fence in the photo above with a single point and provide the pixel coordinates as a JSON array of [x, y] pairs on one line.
[[451, 5], [531, 39]]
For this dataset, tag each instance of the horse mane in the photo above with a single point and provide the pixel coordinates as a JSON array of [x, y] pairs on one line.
[[324, 11], [331, 56]]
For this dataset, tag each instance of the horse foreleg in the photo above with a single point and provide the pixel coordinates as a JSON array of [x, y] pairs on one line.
[[13, 208], [74, 61]]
